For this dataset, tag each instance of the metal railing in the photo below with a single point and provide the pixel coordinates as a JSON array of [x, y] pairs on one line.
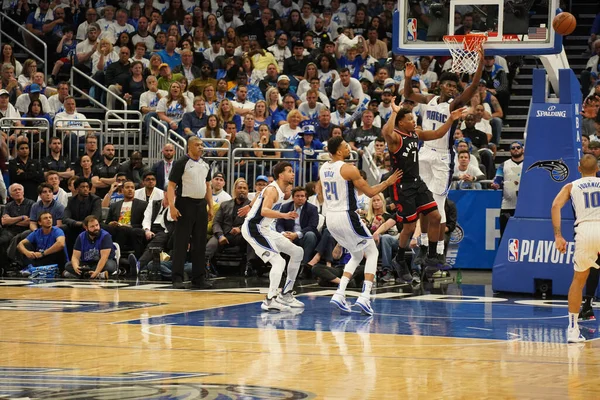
[[124, 133], [157, 138], [25, 32], [38, 136], [75, 130], [212, 148], [73, 88], [371, 169]]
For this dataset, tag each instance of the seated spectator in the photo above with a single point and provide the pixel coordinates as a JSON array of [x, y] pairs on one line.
[[7, 110], [65, 51], [465, 174], [260, 183], [169, 55], [241, 102], [79, 207], [309, 147], [330, 276], [217, 184], [93, 251], [315, 84], [66, 121], [134, 169], [45, 245], [227, 223], [248, 130], [166, 77], [199, 85], [195, 120], [150, 98], [124, 221], [170, 109], [84, 169], [212, 130], [133, 88], [56, 101], [496, 81], [215, 49], [359, 138], [589, 115], [115, 192], [46, 203], [26, 171], [288, 134], [591, 68], [162, 168], [58, 193], [139, 54], [295, 66], [187, 67], [340, 117], [149, 192], [57, 162], [10, 84], [492, 111], [23, 101], [15, 219], [280, 116], [26, 77], [103, 173], [227, 113], [385, 235], [310, 109], [347, 88], [38, 129], [303, 230], [265, 141], [91, 150], [280, 50], [477, 137]]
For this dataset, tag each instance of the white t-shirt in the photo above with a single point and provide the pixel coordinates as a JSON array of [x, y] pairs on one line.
[[286, 136], [108, 59], [174, 110], [210, 55], [280, 54], [157, 194], [23, 101], [148, 40], [64, 116], [11, 112], [115, 29], [56, 106], [354, 89], [471, 170], [150, 99], [145, 62], [221, 197], [322, 98], [246, 105], [311, 113]]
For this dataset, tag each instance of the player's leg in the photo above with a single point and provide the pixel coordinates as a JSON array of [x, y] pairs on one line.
[[440, 200], [591, 285], [339, 298], [364, 300], [423, 240], [586, 253], [408, 229], [296, 254]]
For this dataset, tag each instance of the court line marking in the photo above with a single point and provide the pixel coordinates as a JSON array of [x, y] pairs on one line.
[[411, 357]]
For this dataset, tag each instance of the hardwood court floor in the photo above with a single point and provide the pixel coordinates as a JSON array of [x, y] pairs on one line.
[[103, 341]]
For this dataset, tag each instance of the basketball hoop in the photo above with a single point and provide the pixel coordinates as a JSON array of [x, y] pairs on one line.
[[464, 51]]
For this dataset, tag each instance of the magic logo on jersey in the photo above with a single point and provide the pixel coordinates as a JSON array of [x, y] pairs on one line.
[[436, 116], [559, 171], [538, 251]]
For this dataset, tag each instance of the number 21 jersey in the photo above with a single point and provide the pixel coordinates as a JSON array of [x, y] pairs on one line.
[[338, 193]]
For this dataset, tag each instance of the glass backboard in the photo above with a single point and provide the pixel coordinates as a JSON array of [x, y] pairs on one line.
[[514, 27]]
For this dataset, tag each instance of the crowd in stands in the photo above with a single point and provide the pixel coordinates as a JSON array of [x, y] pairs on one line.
[[264, 75]]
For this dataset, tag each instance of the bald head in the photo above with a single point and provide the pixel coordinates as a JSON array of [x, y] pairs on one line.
[[588, 165]]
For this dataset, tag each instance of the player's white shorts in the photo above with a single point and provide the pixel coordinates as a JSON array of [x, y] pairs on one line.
[[348, 230], [587, 246], [267, 242], [434, 168]]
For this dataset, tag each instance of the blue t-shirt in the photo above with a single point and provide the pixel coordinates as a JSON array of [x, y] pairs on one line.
[[173, 61], [40, 242], [90, 251], [55, 208]]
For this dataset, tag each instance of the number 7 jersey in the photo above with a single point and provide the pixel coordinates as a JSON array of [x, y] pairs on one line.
[[585, 198], [339, 194]]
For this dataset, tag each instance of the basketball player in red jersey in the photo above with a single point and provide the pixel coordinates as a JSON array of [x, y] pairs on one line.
[[411, 195]]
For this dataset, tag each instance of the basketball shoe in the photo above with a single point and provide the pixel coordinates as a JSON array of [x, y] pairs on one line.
[[365, 305], [574, 336], [586, 313], [289, 300], [273, 305], [339, 301]]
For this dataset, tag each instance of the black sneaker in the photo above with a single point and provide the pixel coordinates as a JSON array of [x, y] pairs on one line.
[[431, 264], [444, 266], [586, 314], [201, 284], [416, 277], [421, 255], [402, 270], [387, 276], [134, 266]]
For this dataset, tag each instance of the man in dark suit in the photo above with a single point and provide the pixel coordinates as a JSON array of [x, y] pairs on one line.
[[79, 207], [227, 225], [162, 168], [124, 221], [158, 226], [303, 230]]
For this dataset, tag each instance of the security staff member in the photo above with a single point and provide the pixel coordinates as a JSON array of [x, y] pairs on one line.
[[190, 177]]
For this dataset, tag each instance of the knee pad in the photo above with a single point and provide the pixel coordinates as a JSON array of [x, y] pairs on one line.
[[441, 203]]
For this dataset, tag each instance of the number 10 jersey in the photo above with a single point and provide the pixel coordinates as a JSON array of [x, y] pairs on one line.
[[585, 197]]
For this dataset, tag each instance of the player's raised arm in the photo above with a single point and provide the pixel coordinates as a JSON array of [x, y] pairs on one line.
[[470, 91], [559, 201], [442, 130], [388, 129], [351, 173], [410, 71]]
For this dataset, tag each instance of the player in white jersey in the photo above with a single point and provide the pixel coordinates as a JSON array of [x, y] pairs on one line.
[[259, 232], [337, 191], [584, 194], [436, 157]]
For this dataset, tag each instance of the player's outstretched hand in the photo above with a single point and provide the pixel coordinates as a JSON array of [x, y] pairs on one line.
[[561, 244], [410, 70], [395, 107], [458, 113], [243, 211], [393, 178]]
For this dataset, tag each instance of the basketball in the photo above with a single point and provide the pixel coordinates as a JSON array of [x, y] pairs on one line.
[[564, 23]]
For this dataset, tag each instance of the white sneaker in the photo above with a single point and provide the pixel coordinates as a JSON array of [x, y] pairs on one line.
[[340, 301], [273, 305], [289, 300], [365, 305], [574, 336]]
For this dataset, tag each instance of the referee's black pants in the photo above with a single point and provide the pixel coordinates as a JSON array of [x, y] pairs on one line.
[[190, 228]]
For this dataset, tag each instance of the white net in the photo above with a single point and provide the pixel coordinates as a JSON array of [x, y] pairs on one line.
[[464, 52]]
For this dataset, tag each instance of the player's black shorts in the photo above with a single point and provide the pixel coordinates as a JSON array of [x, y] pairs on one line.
[[412, 199]]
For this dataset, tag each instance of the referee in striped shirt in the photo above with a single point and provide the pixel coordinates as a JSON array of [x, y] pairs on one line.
[[190, 179]]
